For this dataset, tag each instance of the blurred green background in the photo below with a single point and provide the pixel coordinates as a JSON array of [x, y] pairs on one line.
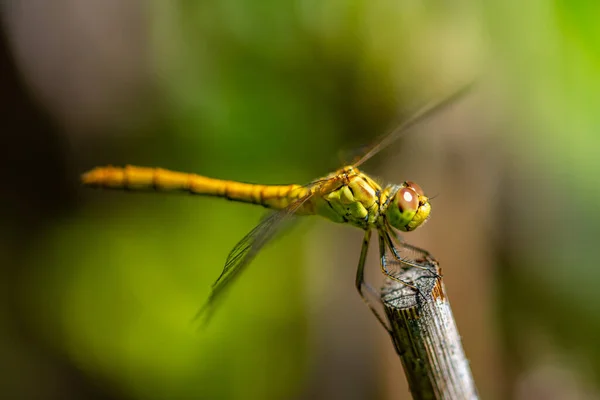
[[98, 289]]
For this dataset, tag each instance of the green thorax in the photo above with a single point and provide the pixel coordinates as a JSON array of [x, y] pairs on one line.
[[352, 198]]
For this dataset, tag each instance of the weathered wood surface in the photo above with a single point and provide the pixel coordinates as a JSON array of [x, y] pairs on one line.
[[426, 337]]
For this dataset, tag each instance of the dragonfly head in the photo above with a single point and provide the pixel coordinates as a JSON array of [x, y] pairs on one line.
[[409, 208]]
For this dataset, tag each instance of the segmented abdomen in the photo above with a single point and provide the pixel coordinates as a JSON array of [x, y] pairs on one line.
[[141, 178]]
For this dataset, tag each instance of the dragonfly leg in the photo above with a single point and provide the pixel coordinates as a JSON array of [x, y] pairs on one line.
[[388, 273], [397, 256], [398, 238], [360, 279]]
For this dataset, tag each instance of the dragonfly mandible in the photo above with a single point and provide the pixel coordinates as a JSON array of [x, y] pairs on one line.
[[345, 196]]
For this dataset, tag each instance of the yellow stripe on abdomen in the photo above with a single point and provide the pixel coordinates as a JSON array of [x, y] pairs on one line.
[[140, 178]]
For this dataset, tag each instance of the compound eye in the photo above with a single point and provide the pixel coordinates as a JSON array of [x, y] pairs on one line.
[[407, 200], [415, 187]]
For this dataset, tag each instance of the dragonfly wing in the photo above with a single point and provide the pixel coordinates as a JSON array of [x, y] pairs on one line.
[[245, 251], [420, 115]]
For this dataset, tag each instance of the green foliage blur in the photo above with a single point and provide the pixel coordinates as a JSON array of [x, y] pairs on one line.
[[100, 288], [270, 92]]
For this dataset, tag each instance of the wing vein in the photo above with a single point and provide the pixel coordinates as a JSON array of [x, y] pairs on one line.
[[245, 251]]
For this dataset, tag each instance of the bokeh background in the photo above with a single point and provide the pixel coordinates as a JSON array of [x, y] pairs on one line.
[[98, 289]]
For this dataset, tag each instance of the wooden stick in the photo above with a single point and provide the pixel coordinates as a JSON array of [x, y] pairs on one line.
[[425, 336]]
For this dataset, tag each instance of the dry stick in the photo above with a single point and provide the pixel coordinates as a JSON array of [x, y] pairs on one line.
[[425, 336]]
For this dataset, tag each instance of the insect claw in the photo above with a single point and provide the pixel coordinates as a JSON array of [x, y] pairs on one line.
[[420, 293], [435, 275]]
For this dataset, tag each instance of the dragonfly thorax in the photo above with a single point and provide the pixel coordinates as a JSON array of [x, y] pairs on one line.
[[354, 198], [349, 197]]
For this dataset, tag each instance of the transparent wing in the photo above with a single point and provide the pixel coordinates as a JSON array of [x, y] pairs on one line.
[[245, 251], [421, 115]]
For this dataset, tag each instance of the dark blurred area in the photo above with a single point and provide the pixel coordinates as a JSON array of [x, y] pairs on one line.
[[99, 288]]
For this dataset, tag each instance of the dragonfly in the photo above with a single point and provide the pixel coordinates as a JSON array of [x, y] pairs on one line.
[[346, 196]]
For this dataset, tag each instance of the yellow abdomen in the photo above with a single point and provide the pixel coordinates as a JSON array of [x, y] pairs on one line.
[[140, 178]]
